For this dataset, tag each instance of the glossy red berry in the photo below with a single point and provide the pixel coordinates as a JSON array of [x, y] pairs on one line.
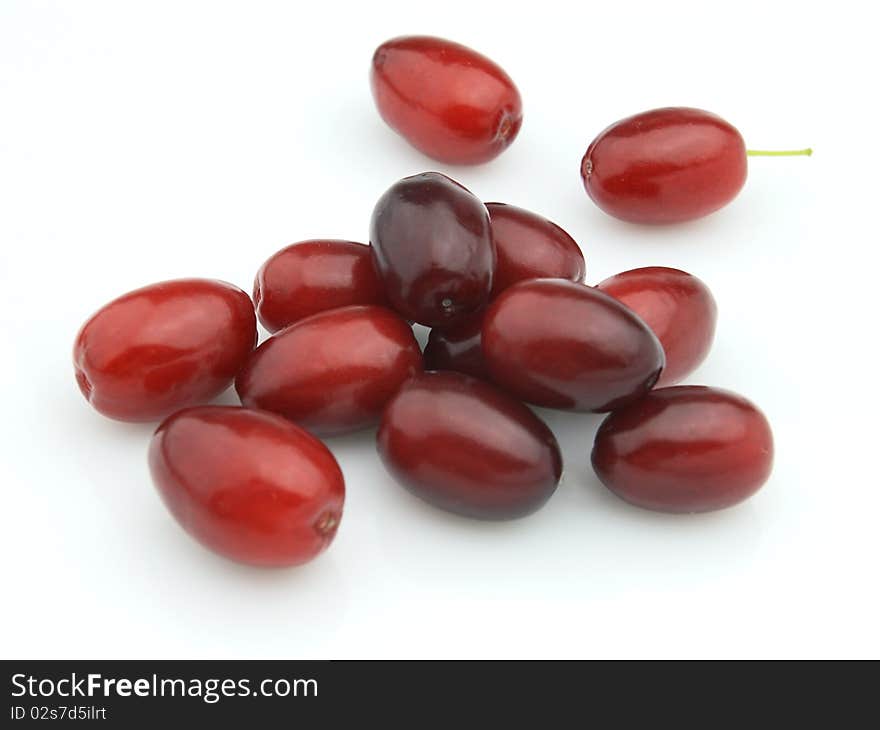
[[249, 485], [463, 445], [314, 276], [665, 166], [163, 347], [447, 100], [677, 306], [560, 344], [457, 348], [432, 246], [685, 449], [333, 372], [528, 246]]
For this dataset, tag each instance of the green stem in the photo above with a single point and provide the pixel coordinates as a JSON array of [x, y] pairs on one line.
[[779, 153]]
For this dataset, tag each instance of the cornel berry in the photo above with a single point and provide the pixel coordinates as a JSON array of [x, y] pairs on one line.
[[665, 166], [560, 344], [528, 246], [685, 449], [668, 165], [447, 100], [679, 309], [457, 348], [333, 372], [249, 485], [432, 246], [464, 446], [313, 276], [163, 347]]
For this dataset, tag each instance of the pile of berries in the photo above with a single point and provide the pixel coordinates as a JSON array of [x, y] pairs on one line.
[[512, 322]]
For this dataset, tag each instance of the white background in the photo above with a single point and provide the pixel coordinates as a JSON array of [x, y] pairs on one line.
[[141, 141]]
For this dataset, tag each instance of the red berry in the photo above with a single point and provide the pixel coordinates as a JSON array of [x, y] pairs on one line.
[[457, 348], [464, 446], [665, 166], [332, 372], [685, 449], [249, 485], [432, 246], [313, 276], [165, 346], [677, 306], [528, 246], [447, 100], [560, 344]]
